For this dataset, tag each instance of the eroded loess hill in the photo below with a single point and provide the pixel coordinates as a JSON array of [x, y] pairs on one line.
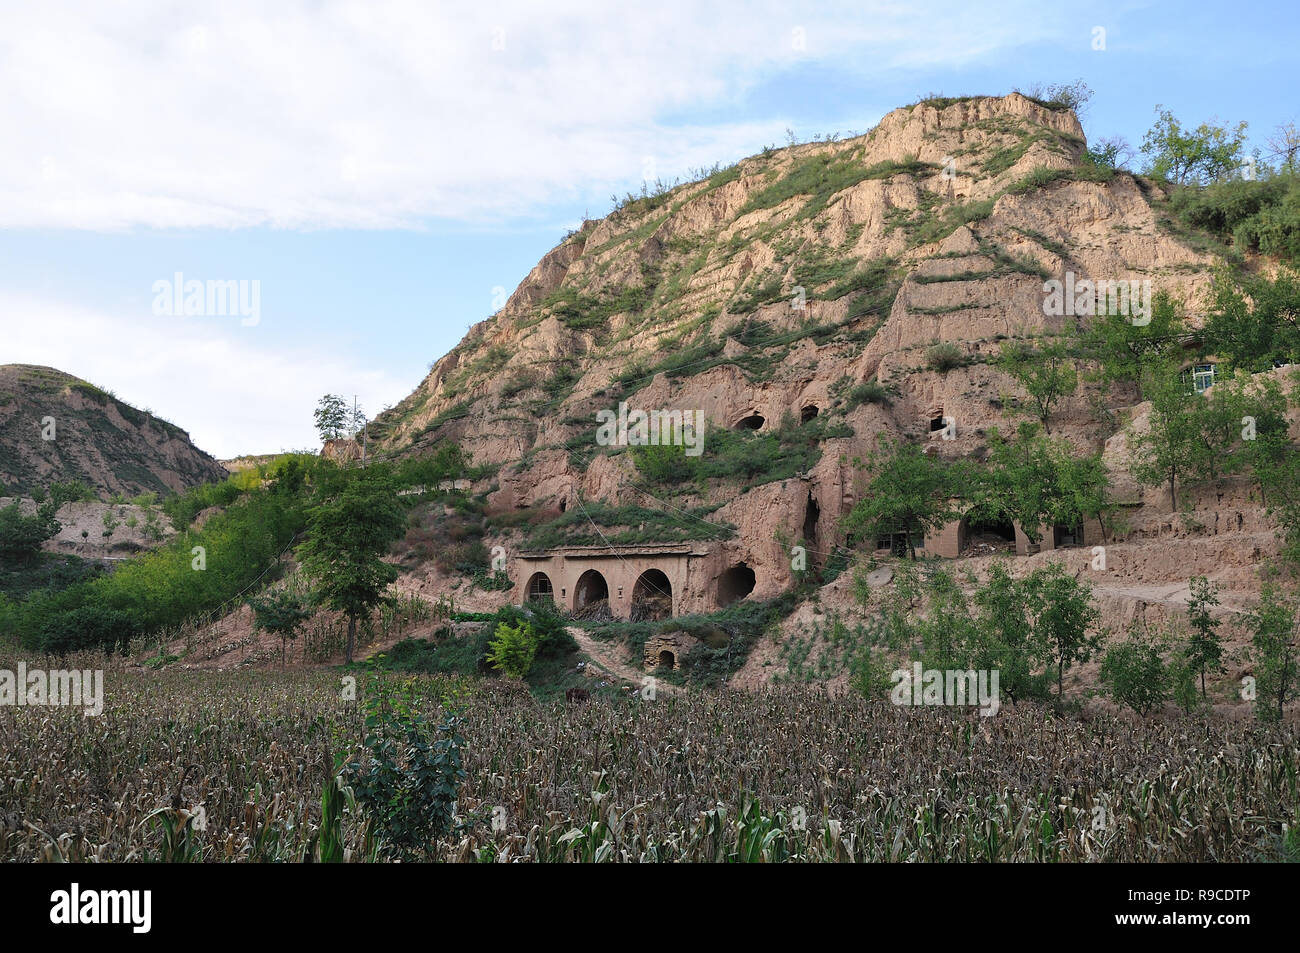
[[799, 292], [94, 437]]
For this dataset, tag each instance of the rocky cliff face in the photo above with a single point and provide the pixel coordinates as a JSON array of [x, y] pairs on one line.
[[55, 427], [769, 293]]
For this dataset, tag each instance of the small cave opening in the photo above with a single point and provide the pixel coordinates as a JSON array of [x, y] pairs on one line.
[[809, 414], [937, 423], [752, 422], [667, 660], [735, 584], [564, 505], [811, 514]]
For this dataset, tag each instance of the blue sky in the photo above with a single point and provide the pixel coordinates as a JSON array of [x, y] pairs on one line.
[[382, 169]]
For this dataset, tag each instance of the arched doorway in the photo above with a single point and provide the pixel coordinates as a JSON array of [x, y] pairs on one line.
[[734, 584], [652, 597], [752, 422], [539, 587], [591, 594], [667, 660], [982, 536]]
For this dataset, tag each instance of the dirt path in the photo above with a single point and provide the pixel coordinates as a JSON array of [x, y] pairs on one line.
[[607, 657]]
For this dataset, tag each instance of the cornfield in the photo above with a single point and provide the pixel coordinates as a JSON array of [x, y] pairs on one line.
[[237, 766]]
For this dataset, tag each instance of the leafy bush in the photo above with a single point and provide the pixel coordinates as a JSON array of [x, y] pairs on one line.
[[86, 627], [868, 392], [1262, 215], [21, 535], [407, 783], [945, 357], [1135, 673], [513, 649]]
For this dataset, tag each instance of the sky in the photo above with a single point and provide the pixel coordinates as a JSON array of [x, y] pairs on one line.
[[375, 177]]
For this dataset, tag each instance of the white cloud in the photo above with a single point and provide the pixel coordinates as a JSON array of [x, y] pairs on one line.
[[349, 114], [224, 383]]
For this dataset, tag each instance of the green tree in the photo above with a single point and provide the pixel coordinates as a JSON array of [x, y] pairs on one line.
[[349, 531], [1192, 156], [1037, 481], [1204, 650], [1181, 673], [1046, 373], [1254, 321], [332, 416], [1275, 461], [1134, 671], [1123, 349], [1273, 652], [281, 613], [1167, 450], [910, 492], [21, 534], [1063, 617], [1006, 639]]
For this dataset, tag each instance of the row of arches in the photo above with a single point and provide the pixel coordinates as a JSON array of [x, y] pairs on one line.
[[652, 594]]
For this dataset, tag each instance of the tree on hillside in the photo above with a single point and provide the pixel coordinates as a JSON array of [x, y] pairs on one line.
[[1167, 450], [1113, 152], [1192, 156], [1254, 321], [1006, 639], [1047, 373], [282, 614], [1036, 481], [1273, 652], [1063, 618], [1134, 671], [910, 492], [1205, 648], [1275, 461], [1123, 349], [349, 531], [1285, 143], [21, 534], [1231, 418], [331, 417]]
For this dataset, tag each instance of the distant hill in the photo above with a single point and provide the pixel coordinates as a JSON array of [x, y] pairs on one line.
[[106, 443]]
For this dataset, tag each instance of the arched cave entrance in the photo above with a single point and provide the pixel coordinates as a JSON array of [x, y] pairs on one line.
[[591, 594], [666, 659], [734, 584], [539, 587], [752, 422], [652, 597], [808, 413], [978, 536]]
